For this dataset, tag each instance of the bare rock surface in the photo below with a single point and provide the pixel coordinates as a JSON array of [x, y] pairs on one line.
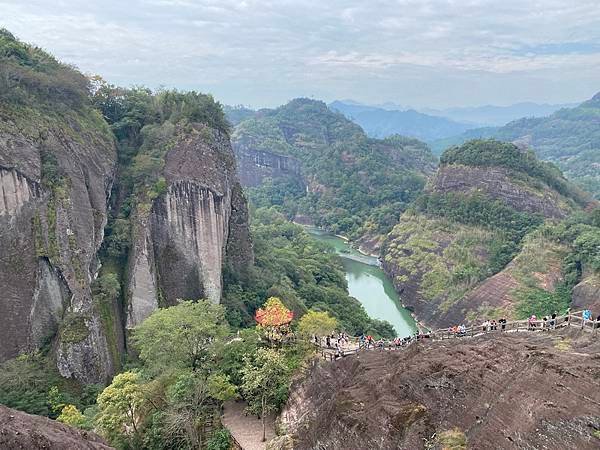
[[256, 165], [192, 230], [19, 430], [499, 183], [515, 391], [50, 234]]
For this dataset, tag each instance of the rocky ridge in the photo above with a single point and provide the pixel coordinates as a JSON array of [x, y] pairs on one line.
[[513, 391], [200, 223]]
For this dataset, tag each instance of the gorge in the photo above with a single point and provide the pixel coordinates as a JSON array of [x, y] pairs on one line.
[[370, 285], [153, 267]]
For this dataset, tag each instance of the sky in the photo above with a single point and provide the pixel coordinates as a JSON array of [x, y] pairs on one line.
[[423, 53]]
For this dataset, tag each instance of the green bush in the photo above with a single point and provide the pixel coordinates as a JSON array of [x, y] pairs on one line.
[[220, 440]]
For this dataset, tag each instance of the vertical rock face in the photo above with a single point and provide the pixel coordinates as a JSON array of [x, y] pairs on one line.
[[49, 236], [20, 304], [256, 165], [15, 192], [189, 235], [183, 242]]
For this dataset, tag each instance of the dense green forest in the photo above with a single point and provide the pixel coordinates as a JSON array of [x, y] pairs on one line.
[[356, 185]]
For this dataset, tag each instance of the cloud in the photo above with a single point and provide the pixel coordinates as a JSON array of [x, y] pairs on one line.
[[263, 52]]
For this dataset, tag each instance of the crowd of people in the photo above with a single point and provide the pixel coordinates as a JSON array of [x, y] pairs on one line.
[[341, 341], [533, 322]]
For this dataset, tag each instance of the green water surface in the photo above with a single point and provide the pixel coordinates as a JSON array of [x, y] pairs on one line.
[[369, 284]]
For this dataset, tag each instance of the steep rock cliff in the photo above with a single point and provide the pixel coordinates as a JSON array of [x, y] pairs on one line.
[[257, 165], [190, 232], [51, 231]]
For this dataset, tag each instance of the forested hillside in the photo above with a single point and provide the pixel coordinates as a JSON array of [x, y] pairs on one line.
[[349, 184], [487, 237], [570, 138]]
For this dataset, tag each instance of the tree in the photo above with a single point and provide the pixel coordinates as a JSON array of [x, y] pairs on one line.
[[70, 415], [192, 401], [265, 383], [317, 323], [182, 336], [274, 318], [121, 406]]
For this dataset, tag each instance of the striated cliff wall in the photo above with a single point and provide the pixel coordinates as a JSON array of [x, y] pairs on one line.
[[256, 165], [499, 183], [54, 184], [201, 222]]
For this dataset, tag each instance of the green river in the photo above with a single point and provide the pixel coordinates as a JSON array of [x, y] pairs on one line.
[[369, 284]]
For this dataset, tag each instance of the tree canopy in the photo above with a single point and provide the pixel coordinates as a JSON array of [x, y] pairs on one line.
[[181, 336]]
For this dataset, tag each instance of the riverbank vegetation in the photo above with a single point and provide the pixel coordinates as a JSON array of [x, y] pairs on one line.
[[304, 273]]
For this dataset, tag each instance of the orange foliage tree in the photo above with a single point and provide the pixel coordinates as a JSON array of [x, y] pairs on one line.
[[274, 318]]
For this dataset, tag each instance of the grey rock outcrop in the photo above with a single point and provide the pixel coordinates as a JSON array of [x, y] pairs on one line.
[[499, 183], [586, 294], [182, 244], [256, 165], [49, 237]]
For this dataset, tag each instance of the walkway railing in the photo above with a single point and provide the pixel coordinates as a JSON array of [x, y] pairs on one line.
[[574, 319]]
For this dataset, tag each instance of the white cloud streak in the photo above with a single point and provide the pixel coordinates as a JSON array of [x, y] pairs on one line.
[[424, 52]]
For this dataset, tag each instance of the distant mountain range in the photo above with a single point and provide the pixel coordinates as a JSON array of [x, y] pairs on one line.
[[491, 115], [570, 137], [432, 124], [380, 123]]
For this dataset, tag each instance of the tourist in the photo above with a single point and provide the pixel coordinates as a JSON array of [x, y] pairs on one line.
[[502, 322], [532, 321], [328, 341], [553, 320], [485, 325], [587, 315]]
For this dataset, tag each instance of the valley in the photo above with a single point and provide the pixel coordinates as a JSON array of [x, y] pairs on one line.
[[370, 285], [162, 255]]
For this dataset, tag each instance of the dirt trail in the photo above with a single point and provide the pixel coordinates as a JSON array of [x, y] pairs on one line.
[[246, 429]]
